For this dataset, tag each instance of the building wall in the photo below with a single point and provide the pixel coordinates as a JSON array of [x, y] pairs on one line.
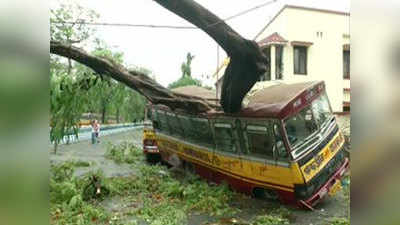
[[324, 56]]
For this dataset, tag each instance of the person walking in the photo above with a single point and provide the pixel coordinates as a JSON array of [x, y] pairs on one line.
[[97, 130], [93, 131]]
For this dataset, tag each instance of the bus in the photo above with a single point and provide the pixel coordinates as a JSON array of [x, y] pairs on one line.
[[150, 148], [284, 144]]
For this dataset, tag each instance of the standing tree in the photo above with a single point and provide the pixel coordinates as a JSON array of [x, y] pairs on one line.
[[74, 31], [67, 90]]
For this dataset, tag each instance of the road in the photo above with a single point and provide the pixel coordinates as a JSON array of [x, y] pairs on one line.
[[86, 151]]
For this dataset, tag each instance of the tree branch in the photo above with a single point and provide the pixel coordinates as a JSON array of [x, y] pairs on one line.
[[138, 81]]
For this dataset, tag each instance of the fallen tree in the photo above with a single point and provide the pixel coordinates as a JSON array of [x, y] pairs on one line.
[[138, 81], [247, 63]]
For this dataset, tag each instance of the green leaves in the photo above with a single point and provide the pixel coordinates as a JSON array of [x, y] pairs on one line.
[[185, 81]]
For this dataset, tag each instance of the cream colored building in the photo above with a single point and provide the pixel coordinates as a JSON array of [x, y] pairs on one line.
[[308, 44]]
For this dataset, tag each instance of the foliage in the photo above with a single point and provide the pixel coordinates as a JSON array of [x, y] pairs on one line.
[[76, 89], [124, 152], [185, 81], [339, 221], [67, 99], [75, 32], [270, 220], [67, 198]]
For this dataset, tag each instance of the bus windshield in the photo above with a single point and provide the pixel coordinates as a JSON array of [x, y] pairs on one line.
[[303, 126]]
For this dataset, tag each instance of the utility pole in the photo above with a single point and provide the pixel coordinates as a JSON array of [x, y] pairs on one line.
[[216, 83]]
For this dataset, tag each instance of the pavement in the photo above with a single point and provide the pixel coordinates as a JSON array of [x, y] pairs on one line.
[[84, 150]]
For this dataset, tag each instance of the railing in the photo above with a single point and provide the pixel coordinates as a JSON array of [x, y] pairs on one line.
[[85, 133]]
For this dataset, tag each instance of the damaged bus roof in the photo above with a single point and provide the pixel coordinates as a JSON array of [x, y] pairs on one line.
[[271, 99]]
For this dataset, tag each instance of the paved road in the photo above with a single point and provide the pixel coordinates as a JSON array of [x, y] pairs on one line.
[[85, 151], [87, 135]]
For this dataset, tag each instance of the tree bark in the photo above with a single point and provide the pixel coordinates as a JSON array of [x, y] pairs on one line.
[[247, 61], [138, 81]]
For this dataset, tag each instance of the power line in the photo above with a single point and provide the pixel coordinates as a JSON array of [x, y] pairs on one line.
[[166, 26], [244, 12], [126, 25]]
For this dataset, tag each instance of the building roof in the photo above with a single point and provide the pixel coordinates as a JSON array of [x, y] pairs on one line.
[[274, 38], [302, 8]]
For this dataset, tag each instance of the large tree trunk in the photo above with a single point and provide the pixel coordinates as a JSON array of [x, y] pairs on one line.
[[247, 62], [138, 81]]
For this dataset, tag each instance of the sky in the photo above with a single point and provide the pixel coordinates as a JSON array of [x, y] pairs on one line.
[[164, 50]]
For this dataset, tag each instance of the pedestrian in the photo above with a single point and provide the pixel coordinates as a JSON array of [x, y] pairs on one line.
[[97, 130], [93, 131]]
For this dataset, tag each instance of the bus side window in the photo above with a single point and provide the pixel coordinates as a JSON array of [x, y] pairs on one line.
[[174, 125], [162, 122], [156, 122], [224, 138], [260, 141], [281, 152], [148, 113], [202, 132], [186, 127]]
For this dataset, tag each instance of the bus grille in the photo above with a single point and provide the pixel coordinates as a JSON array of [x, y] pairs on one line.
[[318, 149], [323, 176]]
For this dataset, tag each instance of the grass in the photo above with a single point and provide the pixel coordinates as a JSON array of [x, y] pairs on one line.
[[124, 152], [67, 198], [339, 221], [155, 195]]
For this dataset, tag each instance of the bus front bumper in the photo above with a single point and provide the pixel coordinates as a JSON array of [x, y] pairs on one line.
[[328, 187], [150, 149]]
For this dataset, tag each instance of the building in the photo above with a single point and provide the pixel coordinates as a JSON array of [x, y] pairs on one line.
[[304, 44]]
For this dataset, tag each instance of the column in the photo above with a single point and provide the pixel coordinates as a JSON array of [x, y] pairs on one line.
[[272, 57]]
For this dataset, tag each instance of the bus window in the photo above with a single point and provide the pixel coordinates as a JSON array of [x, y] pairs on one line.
[[260, 141], [197, 130], [148, 113], [187, 128], [162, 122], [174, 125], [224, 138], [202, 131]]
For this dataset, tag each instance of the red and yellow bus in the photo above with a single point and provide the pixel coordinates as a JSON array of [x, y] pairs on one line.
[[284, 144], [150, 148]]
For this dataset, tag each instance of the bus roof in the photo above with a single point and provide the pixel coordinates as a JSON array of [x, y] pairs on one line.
[[280, 99], [270, 99]]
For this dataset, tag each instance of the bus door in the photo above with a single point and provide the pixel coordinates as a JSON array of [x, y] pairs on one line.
[[265, 160]]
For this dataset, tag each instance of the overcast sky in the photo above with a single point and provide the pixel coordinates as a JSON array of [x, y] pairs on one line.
[[164, 50]]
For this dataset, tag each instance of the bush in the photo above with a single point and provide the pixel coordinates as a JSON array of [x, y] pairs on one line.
[[124, 152]]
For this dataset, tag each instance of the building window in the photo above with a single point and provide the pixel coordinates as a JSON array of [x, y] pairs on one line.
[[267, 74], [278, 62], [300, 59], [346, 64]]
